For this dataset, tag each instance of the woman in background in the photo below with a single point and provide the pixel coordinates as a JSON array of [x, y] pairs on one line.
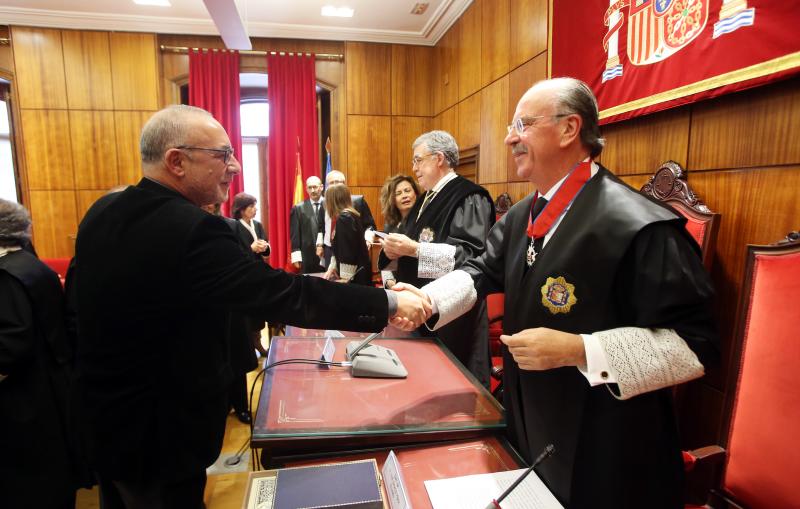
[[398, 196], [350, 262], [250, 231]]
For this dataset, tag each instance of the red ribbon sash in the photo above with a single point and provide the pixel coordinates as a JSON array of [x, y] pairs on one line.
[[555, 207]]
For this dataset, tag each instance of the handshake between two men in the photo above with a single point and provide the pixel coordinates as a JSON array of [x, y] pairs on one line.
[[414, 308]]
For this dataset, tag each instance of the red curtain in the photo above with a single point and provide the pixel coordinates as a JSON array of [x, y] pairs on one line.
[[292, 97], [214, 86]]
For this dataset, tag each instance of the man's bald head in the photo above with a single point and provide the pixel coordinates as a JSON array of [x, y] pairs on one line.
[[170, 127], [314, 188], [335, 177]]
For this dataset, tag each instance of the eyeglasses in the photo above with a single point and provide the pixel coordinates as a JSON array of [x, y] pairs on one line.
[[226, 152], [418, 159], [519, 125]]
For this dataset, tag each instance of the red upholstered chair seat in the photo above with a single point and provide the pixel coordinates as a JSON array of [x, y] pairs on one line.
[[762, 415], [495, 304], [59, 266]]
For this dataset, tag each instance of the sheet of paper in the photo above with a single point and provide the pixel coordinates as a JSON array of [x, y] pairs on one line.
[[478, 491], [380, 234]]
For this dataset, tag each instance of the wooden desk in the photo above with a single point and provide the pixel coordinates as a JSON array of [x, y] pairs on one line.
[[305, 407], [434, 461]]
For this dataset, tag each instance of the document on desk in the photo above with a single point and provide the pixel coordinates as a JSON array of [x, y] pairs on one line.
[[478, 491]]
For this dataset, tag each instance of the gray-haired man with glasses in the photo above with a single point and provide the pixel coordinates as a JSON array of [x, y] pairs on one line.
[[447, 225]]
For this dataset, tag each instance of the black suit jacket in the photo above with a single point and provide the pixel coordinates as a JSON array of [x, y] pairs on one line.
[[365, 215], [303, 228], [246, 238], [156, 278]]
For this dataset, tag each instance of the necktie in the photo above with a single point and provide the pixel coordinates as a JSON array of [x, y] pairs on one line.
[[316, 209], [428, 197], [536, 244]]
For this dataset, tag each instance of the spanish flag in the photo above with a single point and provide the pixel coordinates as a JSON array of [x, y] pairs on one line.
[[298, 179]]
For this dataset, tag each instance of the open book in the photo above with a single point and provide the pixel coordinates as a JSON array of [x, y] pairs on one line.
[[477, 492]]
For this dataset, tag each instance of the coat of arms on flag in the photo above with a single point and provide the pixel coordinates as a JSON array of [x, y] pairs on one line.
[[640, 56]]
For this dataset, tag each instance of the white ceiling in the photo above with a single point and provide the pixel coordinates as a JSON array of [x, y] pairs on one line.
[[374, 20]]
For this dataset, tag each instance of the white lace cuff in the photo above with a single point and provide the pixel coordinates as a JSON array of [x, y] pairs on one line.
[[319, 239], [453, 295], [347, 271], [644, 360], [435, 260], [333, 265], [297, 256], [597, 370]]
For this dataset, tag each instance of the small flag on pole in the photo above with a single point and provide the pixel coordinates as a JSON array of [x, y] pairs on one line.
[[328, 168], [298, 179]]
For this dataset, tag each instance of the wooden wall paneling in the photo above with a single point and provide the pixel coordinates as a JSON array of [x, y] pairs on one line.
[[338, 128], [87, 68], [6, 54], [55, 223], [412, 78], [519, 81], [373, 196], [134, 71], [495, 190], [758, 127], [94, 149], [404, 131], [637, 181], [527, 31], [47, 148], [39, 63], [494, 111], [469, 123], [519, 190], [369, 151], [448, 66], [85, 199], [469, 51], [638, 146], [368, 78], [495, 39], [447, 121], [128, 128]]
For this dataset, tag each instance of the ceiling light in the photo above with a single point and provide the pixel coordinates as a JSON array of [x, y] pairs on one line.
[[419, 8], [339, 12], [160, 3]]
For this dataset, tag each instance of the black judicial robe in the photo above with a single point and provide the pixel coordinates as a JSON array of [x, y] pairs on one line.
[[467, 336], [156, 278], [303, 229], [37, 463], [632, 264], [349, 247]]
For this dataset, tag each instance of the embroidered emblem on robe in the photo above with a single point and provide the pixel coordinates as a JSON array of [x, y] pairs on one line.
[[558, 296], [426, 235]]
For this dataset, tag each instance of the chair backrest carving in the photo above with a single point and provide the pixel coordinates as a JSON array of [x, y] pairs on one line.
[[762, 409], [669, 185]]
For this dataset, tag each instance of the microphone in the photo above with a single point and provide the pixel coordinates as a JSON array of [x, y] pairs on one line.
[[548, 451], [375, 362], [351, 354]]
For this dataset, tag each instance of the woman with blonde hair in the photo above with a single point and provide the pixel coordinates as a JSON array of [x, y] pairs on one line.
[[350, 262], [398, 195]]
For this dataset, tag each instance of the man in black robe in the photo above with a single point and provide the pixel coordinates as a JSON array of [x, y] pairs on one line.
[[447, 225], [606, 305], [156, 279], [305, 221]]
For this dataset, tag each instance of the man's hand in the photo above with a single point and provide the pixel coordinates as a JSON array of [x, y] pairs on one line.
[[320, 252], [412, 311], [540, 349], [396, 245], [408, 290], [331, 274], [297, 265]]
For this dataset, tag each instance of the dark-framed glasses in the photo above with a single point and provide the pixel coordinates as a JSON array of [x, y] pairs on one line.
[[520, 124], [225, 152], [418, 159]]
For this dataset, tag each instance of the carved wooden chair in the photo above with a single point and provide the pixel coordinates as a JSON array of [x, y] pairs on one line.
[[669, 186], [759, 466]]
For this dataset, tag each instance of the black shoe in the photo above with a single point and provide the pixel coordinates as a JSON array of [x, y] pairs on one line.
[[244, 417]]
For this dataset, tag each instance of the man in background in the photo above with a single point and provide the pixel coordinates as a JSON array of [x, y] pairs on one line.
[[359, 203], [156, 280], [447, 225], [305, 222]]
